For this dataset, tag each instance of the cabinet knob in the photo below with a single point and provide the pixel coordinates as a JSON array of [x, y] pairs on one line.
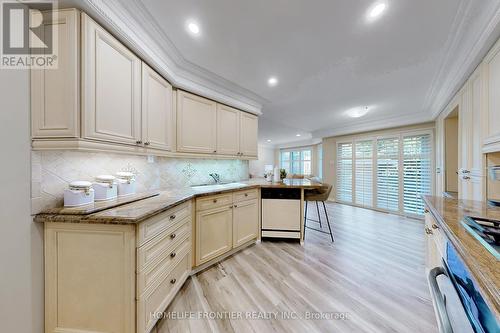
[[426, 210], [215, 200], [428, 231], [215, 151], [172, 236], [173, 254], [138, 142], [246, 194], [173, 281], [147, 143], [465, 177], [465, 171], [434, 226], [235, 206], [172, 217]]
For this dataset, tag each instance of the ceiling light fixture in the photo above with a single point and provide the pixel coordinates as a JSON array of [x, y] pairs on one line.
[[297, 134], [273, 81], [193, 28], [357, 112], [376, 11], [268, 140]]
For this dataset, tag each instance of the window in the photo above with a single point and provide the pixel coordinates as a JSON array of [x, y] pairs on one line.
[[363, 166], [297, 161], [388, 174], [320, 161], [344, 172], [416, 172]]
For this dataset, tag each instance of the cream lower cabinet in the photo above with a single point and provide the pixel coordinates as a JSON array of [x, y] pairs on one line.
[[435, 243], [214, 233], [103, 278], [245, 222], [225, 222]]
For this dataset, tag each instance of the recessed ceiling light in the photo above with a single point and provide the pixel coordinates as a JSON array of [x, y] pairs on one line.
[[357, 112], [268, 140], [376, 11], [193, 28], [273, 81], [297, 134]]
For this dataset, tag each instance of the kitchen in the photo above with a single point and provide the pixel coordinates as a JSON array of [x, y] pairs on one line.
[[166, 175]]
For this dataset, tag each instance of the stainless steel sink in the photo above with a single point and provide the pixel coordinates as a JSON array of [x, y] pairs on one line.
[[214, 187]]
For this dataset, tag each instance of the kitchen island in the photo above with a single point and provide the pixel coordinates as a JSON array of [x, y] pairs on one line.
[[119, 262]]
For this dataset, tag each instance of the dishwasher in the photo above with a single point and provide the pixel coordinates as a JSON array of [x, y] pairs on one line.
[[281, 215]]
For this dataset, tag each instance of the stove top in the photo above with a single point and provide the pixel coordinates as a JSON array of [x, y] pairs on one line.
[[486, 231]]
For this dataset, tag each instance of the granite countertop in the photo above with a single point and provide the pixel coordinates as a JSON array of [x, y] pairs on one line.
[[138, 208], [484, 267]]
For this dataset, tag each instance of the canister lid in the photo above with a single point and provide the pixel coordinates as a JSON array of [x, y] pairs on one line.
[[105, 179], [125, 175], [80, 185]]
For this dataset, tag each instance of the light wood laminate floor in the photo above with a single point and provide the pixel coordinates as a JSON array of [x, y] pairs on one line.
[[373, 274]]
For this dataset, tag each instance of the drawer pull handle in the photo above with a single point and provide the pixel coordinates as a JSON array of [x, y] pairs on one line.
[[173, 254], [235, 206], [215, 200], [173, 281], [246, 194], [434, 226], [426, 211], [172, 236], [428, 231], [172, 217]]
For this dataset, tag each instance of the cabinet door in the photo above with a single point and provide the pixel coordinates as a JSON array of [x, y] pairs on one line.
[[55, 93], [196, 124], [492, 71], [248, 134], [245, 222], [157, 126], [111, 87], [228, 130], [214, 233]]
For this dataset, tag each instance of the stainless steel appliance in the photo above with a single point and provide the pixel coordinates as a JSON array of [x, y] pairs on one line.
[[486, 231], [459, 305], [281, 215], [493, 178]]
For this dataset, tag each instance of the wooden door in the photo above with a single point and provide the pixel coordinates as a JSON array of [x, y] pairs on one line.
[[196, 124], [245, 222], [228, 130], [55, 93], [157, 115], [214, 233], [248, 134], [111, 91]]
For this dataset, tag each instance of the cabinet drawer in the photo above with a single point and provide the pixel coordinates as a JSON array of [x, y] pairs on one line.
[[245, 195], [151, 251], [153, 275], [159, 223], [158, 299], [214, 201]]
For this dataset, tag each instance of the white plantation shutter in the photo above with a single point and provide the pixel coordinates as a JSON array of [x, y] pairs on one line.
[[388, 174], [364, 173], [417, 179], [344, 172]]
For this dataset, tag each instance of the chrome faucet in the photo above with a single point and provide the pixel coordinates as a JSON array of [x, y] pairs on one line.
[[216, 177]]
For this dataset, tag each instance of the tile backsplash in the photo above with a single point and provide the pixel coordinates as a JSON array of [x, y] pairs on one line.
[[52, 171]]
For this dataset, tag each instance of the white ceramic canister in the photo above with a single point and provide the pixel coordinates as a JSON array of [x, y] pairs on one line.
[[126, 183], [105, 188], [79, 193]]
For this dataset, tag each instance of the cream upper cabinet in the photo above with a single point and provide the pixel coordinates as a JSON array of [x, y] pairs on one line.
[[196, 124], [55, 93], [228, 130], [248, 134], [492, 73], [111, 94], [157, 115], [214, 233], [245, 222]]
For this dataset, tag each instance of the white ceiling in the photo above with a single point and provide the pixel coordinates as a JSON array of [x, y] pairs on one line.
[[327, 58]]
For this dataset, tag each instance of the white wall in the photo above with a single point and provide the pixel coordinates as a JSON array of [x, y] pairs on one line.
[[21, 276], [267, 156]]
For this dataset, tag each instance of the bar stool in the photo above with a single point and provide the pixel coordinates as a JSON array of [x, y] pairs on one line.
[[317, 195]]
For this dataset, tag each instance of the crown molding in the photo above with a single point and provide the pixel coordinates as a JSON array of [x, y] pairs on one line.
[[132, 24], [374, 125], [465, 48]]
